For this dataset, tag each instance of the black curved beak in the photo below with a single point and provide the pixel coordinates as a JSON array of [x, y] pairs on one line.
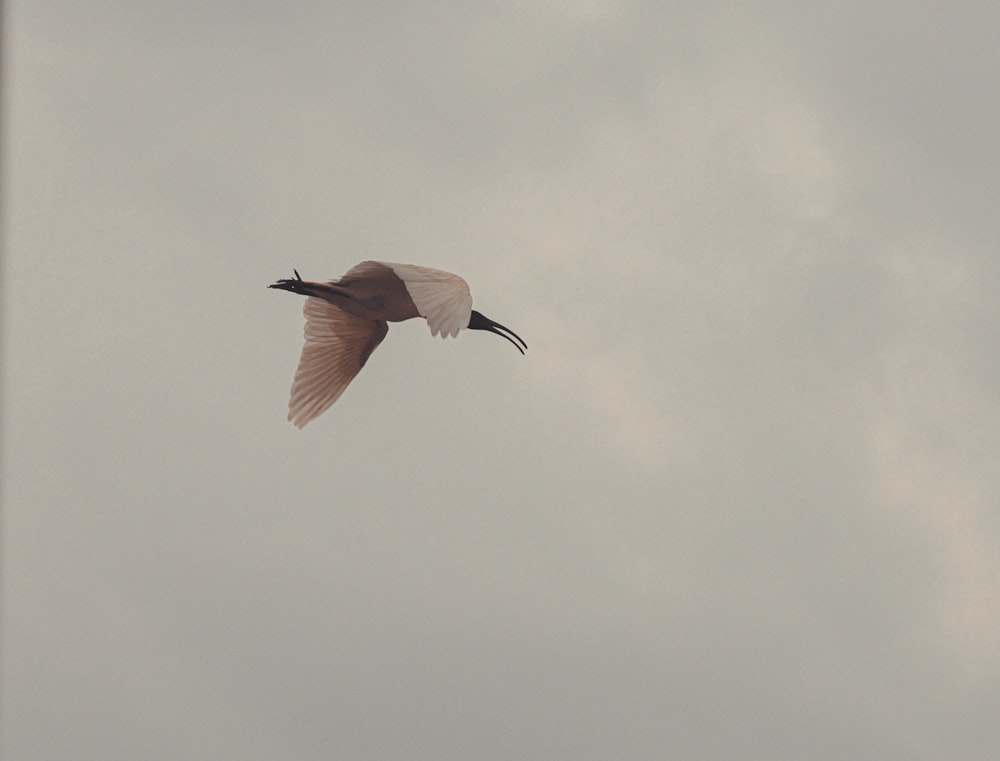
[[479, 321]]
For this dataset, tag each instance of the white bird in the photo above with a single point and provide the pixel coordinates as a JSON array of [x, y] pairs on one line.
[[346, 320]]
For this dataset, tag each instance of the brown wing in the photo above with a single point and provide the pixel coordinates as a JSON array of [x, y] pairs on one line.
[[337, 346]]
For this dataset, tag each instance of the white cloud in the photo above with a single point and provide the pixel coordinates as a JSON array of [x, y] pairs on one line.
[[659, 246], [931, 436]]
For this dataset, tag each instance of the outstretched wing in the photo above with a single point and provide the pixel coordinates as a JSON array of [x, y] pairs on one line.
[[337, 346], [440, 297]]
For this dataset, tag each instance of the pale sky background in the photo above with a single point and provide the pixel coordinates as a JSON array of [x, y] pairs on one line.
[[738, 501]]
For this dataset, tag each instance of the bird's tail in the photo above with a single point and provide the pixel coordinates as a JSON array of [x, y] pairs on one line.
[[306, 287]]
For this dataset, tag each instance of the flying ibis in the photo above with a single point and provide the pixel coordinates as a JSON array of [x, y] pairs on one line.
[[347, 319]]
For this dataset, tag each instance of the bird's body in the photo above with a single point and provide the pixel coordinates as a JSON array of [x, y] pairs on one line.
[[347, 319]]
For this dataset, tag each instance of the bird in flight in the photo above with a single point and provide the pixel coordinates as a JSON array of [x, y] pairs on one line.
[[347, 319]]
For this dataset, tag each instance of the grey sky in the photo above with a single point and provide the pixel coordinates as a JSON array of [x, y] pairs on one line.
[[738, 501]]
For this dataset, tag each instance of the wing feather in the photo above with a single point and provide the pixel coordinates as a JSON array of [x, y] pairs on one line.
[[365, 269], [337, 346], [440, 297]]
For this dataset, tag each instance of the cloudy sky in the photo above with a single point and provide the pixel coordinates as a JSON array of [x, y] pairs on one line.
[[740, 500]]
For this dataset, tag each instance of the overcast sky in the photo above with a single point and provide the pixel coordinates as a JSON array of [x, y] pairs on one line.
[[740, 500]]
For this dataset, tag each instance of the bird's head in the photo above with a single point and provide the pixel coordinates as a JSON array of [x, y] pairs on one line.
[[479, 321]]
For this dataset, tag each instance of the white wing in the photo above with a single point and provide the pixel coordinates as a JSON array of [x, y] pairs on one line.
[[440, 297], [337, 346]]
